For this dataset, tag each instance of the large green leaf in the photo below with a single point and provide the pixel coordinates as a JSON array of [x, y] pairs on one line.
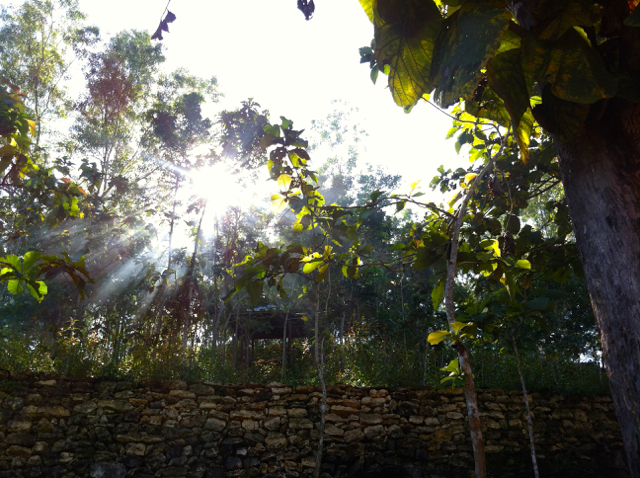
[[254, 288], [577, 73], [436, 337], [572, 67], [470, 37], [14, 286], [559, 17], [506, 78], [562, 118], [30, 258], [405, 36], [368, 6], [490, 107], [437, 293], [523, 134], [13, 260]]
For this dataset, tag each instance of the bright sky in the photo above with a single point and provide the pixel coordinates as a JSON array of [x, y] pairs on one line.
[[267, 51]]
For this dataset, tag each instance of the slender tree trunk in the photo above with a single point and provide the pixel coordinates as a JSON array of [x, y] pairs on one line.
[[473, 411], [189, 280], [471, 398], [534, 459], [172, 222], [323, 387], [343, 318], [163, 286], [601, 177], [284, 348]]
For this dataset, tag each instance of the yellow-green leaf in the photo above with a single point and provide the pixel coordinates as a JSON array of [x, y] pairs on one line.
[[14, 286], [311, 266], [436, 337], [405, 36], [322, 272], [32, 127], [523, 264], [458, 326], [284, 180], [469, 177], [492, 245], [367, 6], [523, 134], [278, 205], [30, 258], [437, 294]]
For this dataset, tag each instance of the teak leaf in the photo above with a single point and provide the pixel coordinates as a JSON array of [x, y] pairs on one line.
[[457, 61], [405, 36]]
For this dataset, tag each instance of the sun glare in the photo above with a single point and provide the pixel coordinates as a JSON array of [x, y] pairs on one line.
[[218, 187]]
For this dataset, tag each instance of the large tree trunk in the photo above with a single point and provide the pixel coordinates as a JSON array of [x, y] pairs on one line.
[[601, 177]]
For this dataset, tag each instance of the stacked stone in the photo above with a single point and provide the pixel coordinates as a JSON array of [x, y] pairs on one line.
[[54, 427]]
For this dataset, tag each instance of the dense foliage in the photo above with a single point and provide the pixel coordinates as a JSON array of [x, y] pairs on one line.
[[139, 281]]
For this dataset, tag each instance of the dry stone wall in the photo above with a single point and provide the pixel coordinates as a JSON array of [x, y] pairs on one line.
[[56, 427]]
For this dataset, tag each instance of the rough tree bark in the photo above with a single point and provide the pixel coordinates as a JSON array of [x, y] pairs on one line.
[[601, 177]]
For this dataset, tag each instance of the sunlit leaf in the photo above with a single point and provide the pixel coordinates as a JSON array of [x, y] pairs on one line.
[[405, 36], [453, 367], [437, 294], [272, 130], [309, 267], [491, 244], [368, 6], [523, 264], [30, 258], [13, 260], [523, 134], [436, 337], [278, 205], [32, 127], [14, 286], [469, 177], [458, 326], [38, 293], [322, 272], [284, 180]]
